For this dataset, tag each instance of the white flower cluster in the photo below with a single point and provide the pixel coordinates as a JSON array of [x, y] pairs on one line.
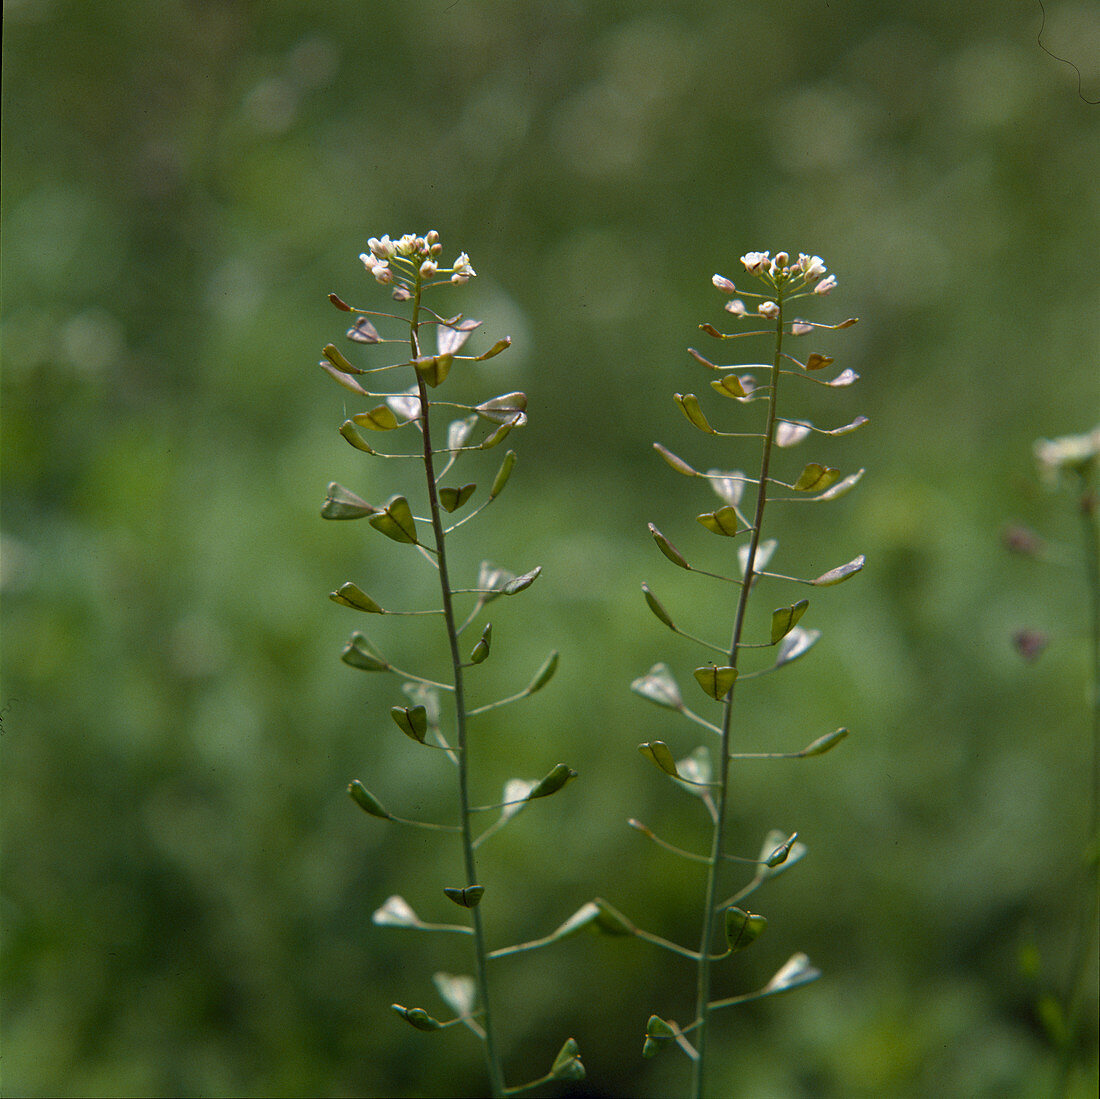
[[414, 256], [1068, 454], [805, 274]]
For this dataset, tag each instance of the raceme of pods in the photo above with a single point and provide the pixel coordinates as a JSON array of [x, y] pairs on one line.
[[435, 714], [752, 392]]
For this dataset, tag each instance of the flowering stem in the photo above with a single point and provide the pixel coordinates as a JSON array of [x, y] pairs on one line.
[[716, 860], [492, 1057], [1090, 521], [1080, 970]]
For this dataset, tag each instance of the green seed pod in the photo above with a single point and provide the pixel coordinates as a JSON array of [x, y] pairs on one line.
[[743, 928], [418, 1017], [412, 721], [470, 897], [552, 782], [367, 801], [716, 681], [481, 650]]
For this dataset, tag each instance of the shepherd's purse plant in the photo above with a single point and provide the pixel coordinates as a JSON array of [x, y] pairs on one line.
[[727, 925], [1073, 462], [437, 715]]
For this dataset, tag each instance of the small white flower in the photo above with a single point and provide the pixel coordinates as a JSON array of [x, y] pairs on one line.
[[737, 308], [463, 272], [723, 284], [1070, 452], [406, 246], [813, 267], [755, 261], [380, 269], [768, 309], [428, 268], [825, 285]]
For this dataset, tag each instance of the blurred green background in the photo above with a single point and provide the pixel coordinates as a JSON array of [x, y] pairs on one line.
[[186, 887]]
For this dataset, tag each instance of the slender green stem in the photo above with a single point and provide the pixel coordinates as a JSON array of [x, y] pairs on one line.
[[703, 972], [1090, 521], [1080, 970], [492, 1057]]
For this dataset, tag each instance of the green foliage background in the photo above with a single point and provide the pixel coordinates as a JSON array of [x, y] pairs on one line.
[[186, 886]]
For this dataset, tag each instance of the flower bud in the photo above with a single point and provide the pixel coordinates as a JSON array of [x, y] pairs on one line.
[[723, 284], [781, 259], [428, 268], [432, 237], [768, 309], [383, 248], [1021, 539], [1030, 643]]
